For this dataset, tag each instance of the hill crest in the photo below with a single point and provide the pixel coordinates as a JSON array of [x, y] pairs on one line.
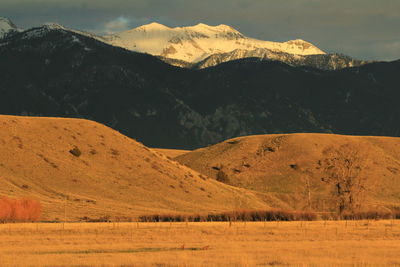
[[286, 164]]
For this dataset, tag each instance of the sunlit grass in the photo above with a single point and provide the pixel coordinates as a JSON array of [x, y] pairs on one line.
[[327, 243]]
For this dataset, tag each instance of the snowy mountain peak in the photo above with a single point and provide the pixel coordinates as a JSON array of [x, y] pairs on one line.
[[6, 26], [226, 28], [300, 43], [195, 43], [154, 26], [7, 22], [54, 26], [200, 25], [204, 28]]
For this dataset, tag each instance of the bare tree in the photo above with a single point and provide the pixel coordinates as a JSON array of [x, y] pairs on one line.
[[306, 175], [343, 167]]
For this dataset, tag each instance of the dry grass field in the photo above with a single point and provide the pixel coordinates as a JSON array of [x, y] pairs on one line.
[[317, 243]]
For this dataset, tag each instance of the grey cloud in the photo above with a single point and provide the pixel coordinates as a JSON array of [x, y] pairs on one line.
[[121, 23]]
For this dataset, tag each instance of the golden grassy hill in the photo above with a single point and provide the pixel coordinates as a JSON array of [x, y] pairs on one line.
[[281, 165], [113, 176]]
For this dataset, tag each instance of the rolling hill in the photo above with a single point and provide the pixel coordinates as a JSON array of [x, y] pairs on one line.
[[93, 171], [288, 165]]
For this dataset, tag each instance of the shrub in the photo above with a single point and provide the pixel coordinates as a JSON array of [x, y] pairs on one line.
[[222, 177], [239, 215], [76, 152], [19, 210], [368, 215]]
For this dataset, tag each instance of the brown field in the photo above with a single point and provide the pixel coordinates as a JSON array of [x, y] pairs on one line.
[[317, 243]]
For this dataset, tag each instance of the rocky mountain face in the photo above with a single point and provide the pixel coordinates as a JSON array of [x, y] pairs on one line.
[[323, 61], [52, 71], [195, 43], [180, 63]]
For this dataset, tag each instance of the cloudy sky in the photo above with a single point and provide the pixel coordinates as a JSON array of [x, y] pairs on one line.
[[366, 29]]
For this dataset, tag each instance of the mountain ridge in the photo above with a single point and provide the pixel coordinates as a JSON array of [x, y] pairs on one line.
[[195, 43], [322, 62], [213, 56]]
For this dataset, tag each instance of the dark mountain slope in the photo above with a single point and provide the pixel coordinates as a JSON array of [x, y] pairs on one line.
[[257, 97], [51, 71], [55, 72]]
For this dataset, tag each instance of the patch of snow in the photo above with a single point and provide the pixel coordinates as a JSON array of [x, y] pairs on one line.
[[76, 39], [54, 26], [347, 99], [152, 112], [7, 26], [372, 77]]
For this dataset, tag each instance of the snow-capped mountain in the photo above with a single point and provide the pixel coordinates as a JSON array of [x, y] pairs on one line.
[[6, 26], [195, 43], [202, 46]]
